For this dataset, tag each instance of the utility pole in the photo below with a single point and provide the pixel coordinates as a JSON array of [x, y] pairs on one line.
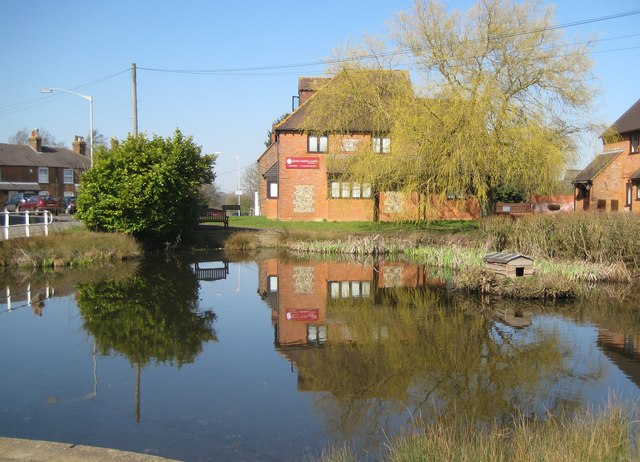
[[134, 97]]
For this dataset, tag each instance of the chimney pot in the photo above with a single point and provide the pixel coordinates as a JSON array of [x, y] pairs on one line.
[[35, 140], [79, 145]]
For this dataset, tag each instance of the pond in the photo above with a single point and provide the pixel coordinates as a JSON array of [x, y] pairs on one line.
[[201, 358]]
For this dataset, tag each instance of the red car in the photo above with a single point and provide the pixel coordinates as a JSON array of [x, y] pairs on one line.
[[49, 203]]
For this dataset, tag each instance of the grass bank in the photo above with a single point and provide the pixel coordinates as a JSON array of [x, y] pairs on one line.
[[73, 247], [611, 436]]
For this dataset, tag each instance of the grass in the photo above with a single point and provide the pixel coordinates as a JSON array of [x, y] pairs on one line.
[[74, 247], [452, 227], [609, 436]]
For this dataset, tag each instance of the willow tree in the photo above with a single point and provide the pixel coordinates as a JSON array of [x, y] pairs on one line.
[[500, 97]]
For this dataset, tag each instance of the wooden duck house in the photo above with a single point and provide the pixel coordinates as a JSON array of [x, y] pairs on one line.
[[513, 265]]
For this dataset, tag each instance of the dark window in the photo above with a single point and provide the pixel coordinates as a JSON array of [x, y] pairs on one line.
[[614, 205], [635, 142], [519, 271], [628, 195], [317, 143], [601, 204]]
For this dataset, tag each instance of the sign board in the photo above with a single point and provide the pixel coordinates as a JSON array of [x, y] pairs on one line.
[[302, 162], [302, 315]]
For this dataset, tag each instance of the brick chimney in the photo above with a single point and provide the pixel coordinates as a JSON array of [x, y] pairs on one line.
[[79, 145], [35, 140], [307, 86]]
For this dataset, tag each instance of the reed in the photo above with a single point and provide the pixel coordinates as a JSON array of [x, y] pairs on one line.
[[588, 435], [243, 241]]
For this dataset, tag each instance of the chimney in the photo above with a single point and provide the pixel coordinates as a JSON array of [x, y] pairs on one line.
[[307, 86], [79, 145], [35, 140]]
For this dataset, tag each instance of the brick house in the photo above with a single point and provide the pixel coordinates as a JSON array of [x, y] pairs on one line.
[[41, 169], [301, 174], [611, 181]]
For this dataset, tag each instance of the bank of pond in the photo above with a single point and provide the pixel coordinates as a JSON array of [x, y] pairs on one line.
[[186, 355]]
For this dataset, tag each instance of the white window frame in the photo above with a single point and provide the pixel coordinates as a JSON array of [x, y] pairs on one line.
[[272, 189], [43, 174], [68, 175], [317, 143], [381, 144]]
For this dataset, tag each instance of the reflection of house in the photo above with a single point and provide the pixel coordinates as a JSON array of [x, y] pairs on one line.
[[611, 181], [41, 169], [302, 293], [623, 350], [302, 175]]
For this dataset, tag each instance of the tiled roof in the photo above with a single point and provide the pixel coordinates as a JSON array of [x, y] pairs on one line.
[[362, 124], [596, 166], [22, 155], [629, 121]]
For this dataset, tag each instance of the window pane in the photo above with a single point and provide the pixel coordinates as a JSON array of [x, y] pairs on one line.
[[322, 147], [273, 189], [366, 288], [386, 145], [335, 289], [313, 144], [335, 189], [366, 190], [356, 189], [376, 144], [43, 174], [68, 176], [355, 289], [346, 189], [345, 289], [273, 283]]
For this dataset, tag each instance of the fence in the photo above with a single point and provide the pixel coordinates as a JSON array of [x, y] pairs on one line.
[[25, 224]]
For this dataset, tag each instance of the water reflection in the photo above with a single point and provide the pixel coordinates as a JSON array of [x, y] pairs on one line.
[[326, 352], [383, 340], [151, 316]]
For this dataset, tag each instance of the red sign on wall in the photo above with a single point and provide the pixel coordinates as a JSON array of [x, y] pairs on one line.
[[302, 162], [302, 315]]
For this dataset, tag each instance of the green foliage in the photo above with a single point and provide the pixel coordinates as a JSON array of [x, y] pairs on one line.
[[152, 316], [500, 107], [147, 188]]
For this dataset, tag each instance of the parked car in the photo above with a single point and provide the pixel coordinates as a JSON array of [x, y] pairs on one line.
[[39, 203], [69, 205], [17, 201]]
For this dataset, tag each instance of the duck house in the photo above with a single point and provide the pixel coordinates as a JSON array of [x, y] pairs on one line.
[[513, 265]]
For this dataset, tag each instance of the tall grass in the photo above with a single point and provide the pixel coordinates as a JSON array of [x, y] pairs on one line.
[[606, 238], [610, 436], [68, 248]]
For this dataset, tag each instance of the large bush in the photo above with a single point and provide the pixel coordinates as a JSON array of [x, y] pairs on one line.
[[145, 187]]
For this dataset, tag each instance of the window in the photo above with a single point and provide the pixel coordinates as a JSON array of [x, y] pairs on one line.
[[349, 289], [346, 189], [43, 174], [614, 205], [601, 204], [381, 144], [272, 189], [272, 283], [637, 191], [68, 176], [317, 143], [629, 192], [635, 142]]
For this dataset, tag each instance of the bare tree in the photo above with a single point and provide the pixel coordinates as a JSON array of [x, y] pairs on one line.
[[251, 179], [22, 137]]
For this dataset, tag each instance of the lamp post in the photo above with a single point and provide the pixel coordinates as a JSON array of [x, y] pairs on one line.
[[88, 98], [238, 191]]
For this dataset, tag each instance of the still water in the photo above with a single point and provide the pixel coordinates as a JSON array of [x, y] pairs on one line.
[[201, 358]]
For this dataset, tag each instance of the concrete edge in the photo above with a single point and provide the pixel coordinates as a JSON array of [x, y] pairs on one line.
[[16, 449]]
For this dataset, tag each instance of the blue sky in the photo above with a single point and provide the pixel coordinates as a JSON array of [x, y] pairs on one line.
[[89, 47]]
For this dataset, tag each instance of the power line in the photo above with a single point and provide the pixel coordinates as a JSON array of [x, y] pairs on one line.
[[234, 71]]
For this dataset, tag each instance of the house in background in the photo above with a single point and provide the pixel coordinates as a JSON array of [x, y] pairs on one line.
[[302, 174], [611, 181], [39, 169]]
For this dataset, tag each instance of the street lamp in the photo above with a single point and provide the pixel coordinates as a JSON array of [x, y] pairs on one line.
[[88, 98], [238, 191]]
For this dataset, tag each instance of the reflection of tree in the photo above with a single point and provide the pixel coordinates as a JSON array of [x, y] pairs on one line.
[[430, 357], [152, 316]]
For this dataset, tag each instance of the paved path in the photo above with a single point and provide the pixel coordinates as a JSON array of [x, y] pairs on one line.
[[19, 450]]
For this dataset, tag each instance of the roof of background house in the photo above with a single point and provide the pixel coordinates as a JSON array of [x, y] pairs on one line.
[[596, 166], [23, 155], [629, 121]]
